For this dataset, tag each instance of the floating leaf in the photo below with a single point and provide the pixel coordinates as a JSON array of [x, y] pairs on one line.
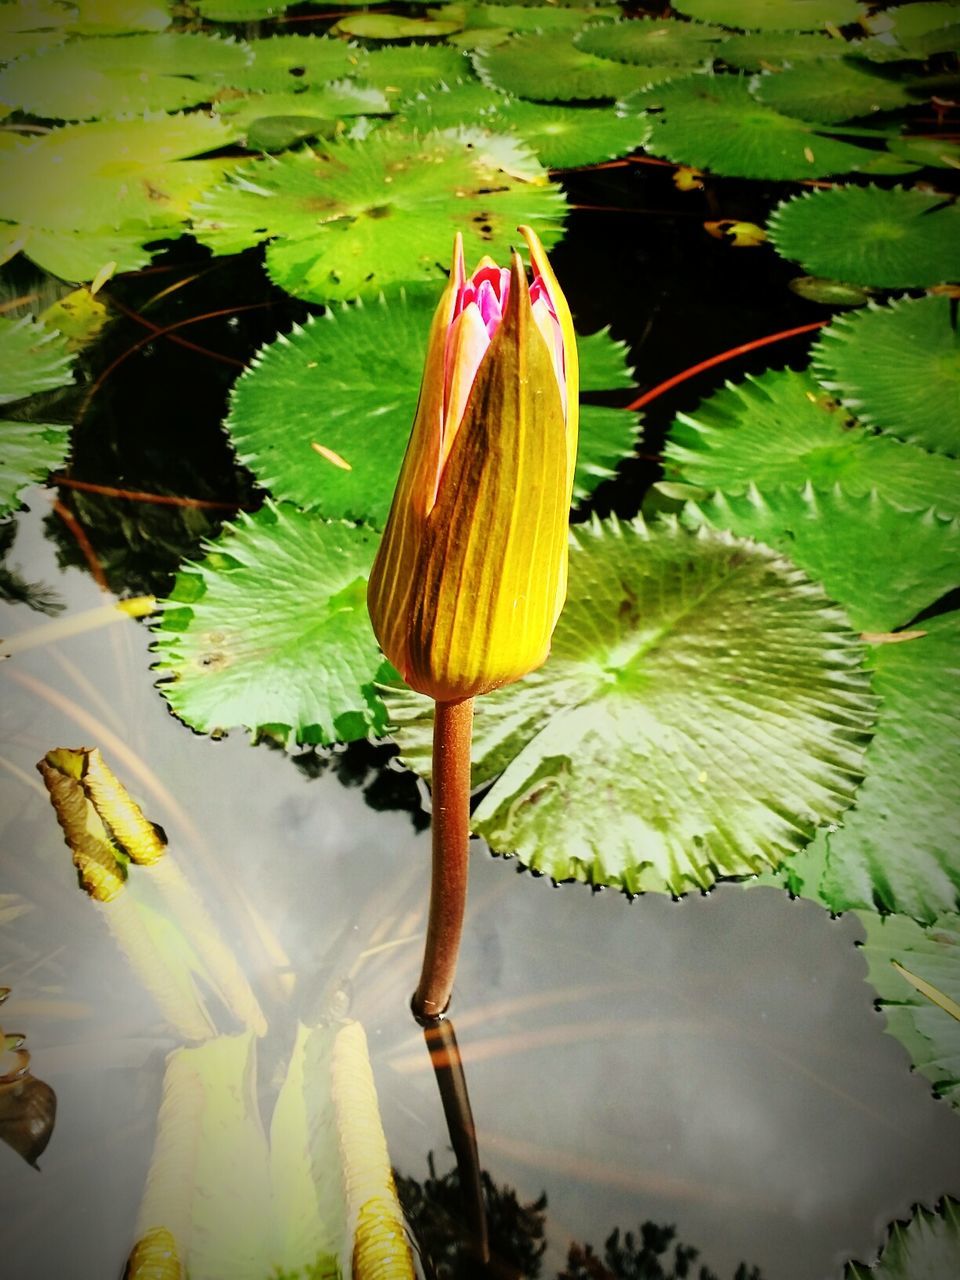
[[106, 175], [892, 239], [117, 17], [925, 1248], [32, 358], [317, 111], [896, 849], [29, 451], [784, 49], [239, 10], [833, 91], [284, 64], [521, 18], [898, 368], [26, 27], [270, 631], [562, 137], [746, 139], [774, 15], [884, 565], [939, 153], [654, 42], [549, 68], [909, 20], [701, 712], [780, 429], [353, 217], [80, 255], [392, 26], [929, 1033], [123, 75], [407, 69], [321, 387]]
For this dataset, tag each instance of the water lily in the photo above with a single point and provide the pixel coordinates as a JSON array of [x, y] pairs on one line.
[[471, 573]]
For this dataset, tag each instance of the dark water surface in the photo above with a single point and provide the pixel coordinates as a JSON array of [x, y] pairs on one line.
[[715, 1063]]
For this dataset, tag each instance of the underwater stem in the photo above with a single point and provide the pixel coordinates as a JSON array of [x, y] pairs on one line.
[[452, 729]]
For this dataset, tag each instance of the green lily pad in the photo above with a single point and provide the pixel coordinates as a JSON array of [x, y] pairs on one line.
[[29, 451], [239, 10], [774, 15], [121, 75], [841, 89], [940, 40], [883, 564], [896, 850], [746, 139], [562, 137], [780, 429], [270, 631], [80, 255], [521, 18], [701, 712], [877, 360], [26, 27], [938, 153], [406, 69], [110, 174], [283, 64], [349, 380], [393, 26], [331, 102], [654, 42], [892, 239], [351, 218], [909, 20], [117, 17], [925, 1248], [548, 68], [32, 358], [929, 1032], [759, 52]]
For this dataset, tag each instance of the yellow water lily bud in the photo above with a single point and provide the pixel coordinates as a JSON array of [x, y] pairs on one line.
[[471, 573]]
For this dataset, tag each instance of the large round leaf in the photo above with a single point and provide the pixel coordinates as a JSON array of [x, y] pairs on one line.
[[781, 429], [400, 70], [894, 239], [548, 67], [883, 564], [896, 850], [925, 1248], [777, 51], [831, 91], [654, 42], [702, 711], [122, 75], [353, 217], [93, 177], [270, 631], [348, 382], [774, 15], [916, 973], [745, 139], [285, 63], [898, 368]]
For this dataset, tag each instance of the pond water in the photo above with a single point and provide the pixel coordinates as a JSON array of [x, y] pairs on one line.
[[715, 1063]]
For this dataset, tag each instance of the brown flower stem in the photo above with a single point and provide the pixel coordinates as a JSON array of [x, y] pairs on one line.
[[452, 729], [441, 1041]]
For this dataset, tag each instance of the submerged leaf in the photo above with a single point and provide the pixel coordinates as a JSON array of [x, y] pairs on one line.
[[702, 711], [32, 358]]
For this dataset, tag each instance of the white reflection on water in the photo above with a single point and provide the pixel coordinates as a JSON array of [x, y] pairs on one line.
[[715, 1063]]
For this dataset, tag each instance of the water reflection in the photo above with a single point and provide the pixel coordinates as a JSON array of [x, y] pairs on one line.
[[708, 1064]]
